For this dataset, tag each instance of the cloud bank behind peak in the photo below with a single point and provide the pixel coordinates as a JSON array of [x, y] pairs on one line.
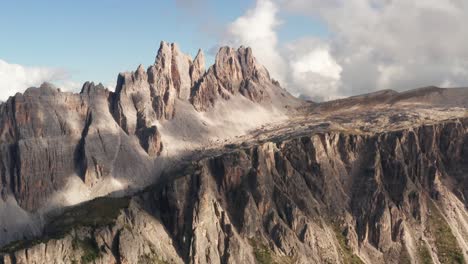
[[373, 45], [16, 78]]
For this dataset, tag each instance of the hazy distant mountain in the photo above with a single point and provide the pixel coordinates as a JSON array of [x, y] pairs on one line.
[[225, 166]]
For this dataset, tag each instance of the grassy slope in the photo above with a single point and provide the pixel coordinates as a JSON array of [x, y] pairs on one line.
[[448, 250]]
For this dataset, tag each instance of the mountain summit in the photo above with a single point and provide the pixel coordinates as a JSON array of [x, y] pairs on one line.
[[183, 164], [55, 144]]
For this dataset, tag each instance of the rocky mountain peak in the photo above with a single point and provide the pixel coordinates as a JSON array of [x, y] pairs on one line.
[[90, 88], [241, 63], [200, 58], [141, 72], [234, 72], [260, 178], [228, 69], [174, 75], [164, 55], [197, 70], [175, 65], [45, 88]]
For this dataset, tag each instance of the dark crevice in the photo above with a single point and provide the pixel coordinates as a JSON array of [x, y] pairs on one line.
[[115, 248], [115, 107], [15, 168], [81, 163]]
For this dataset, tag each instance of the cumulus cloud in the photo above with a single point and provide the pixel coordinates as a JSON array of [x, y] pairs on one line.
[[305, 66], [16, 78], [398, 44], [312, 71], [374, 45], [257, 29]]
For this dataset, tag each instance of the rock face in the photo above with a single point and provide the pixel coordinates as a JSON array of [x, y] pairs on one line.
[[48, 137], [234, 72], [144, 97], [197, 69], [34, 127], [379, 178], [98, 232], [326, 198], [395, 197]]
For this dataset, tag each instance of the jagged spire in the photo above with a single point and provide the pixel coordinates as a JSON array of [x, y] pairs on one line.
[[234, 72], [199, 60], [140, 73], [198, 67], [164, 53]]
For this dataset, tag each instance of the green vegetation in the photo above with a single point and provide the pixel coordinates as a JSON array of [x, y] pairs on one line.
[[230, 146], [405, 258], [448, 250], [346, 252], [98, 212], [151, 259], [424, 254], [89, 247], [264, 255], [21, 244]]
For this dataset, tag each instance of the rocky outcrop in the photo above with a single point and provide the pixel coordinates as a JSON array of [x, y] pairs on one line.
[[144, 97], [40, 130], [197, 70], [378, 184], [108, 230], [234, 72], [333, 197], [151, 93], [48, 137], [329, 198], [150, 140]]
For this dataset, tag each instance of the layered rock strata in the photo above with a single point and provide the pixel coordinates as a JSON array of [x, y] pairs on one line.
[[334, 197]]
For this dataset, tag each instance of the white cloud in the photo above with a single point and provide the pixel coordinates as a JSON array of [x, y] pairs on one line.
[[16, 78], [111, 85], [69, 85], [256, 29], [374, 45], [313, 72], [318, 61], [304, 67], [394, 44]]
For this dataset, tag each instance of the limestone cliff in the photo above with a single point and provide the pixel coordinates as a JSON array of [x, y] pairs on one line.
[[98, 141], [377, 178], [334, 197]]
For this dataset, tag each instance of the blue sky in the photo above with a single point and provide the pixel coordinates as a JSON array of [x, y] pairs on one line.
[[95, 40], [322, 49]]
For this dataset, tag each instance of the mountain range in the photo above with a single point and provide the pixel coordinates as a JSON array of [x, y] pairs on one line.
[[183, 164]]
